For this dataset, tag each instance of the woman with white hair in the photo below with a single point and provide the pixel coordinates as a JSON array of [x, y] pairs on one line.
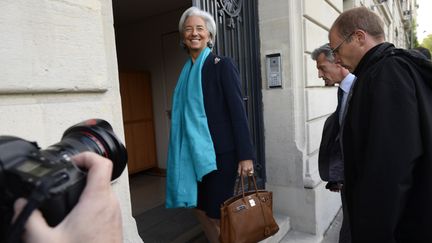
[[210, 142]]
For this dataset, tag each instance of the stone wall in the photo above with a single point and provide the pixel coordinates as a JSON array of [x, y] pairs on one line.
[[59, 67]]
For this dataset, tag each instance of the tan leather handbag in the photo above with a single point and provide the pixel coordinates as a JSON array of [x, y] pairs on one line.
[[248, 217]]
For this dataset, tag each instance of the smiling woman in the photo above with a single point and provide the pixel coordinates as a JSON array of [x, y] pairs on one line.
[[210, 143], [195, 36]]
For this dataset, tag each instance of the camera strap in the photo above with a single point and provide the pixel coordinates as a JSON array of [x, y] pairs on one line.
[[39, 194]]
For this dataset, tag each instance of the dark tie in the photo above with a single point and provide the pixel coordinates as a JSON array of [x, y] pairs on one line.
[[339, 98], [339, 105]]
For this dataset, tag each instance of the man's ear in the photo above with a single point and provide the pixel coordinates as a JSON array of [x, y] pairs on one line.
[[360, 36]]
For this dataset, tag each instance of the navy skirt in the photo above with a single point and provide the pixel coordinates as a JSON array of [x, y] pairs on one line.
[[218, 186]]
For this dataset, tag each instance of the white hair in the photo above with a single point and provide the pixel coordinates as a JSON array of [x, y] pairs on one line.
[[208, 19]]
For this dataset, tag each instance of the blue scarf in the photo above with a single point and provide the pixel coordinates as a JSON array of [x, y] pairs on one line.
[[191, 154]]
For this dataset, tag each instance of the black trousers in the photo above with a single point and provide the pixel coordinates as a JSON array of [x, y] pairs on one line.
[[345, 231]]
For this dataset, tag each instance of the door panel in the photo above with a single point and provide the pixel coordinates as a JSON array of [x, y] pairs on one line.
[[135, 89]]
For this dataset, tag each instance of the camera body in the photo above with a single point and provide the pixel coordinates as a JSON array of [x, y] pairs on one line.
[[25, 168]]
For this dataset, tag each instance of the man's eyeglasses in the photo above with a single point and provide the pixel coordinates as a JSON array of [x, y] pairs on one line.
[[336, 49]]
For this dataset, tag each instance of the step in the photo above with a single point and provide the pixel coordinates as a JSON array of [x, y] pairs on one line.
[[283, 222], [300, 237], [195, 235], [330, 236]]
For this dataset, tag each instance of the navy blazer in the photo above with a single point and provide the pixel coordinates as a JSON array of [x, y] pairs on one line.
[[330, 162], [224, 107]]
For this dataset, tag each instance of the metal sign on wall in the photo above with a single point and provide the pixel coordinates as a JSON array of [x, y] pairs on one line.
[[237, 37]]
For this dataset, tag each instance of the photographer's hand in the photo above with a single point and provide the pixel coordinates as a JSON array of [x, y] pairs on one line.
[[95, 218]]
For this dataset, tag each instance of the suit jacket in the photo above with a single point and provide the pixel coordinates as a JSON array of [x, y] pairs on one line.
[[387, 150], [330, 163], [224, 107]]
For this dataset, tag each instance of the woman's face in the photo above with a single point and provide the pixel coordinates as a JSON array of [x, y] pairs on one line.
[[195, 34]]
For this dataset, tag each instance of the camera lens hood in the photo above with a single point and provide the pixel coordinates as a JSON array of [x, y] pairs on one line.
[[105, 142]]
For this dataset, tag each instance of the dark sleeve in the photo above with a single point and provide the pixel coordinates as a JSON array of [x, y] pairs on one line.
[[330, 163], [391, 148], [231, 87]]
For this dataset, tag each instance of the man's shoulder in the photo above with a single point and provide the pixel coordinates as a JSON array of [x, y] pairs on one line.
[[415, 60], [412, 56]]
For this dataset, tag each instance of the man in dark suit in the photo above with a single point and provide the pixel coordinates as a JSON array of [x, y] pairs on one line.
[[330, 160], [387, 136]]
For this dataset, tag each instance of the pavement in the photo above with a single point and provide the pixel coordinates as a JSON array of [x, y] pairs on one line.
[[332, 233]]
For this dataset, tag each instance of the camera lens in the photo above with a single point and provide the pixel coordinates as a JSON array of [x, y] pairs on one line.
[[95, 135]]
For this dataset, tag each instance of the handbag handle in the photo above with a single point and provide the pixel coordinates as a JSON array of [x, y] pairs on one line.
[[249, 180], [237, 189]]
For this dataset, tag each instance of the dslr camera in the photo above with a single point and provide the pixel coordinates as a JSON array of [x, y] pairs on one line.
[[48, 178]]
